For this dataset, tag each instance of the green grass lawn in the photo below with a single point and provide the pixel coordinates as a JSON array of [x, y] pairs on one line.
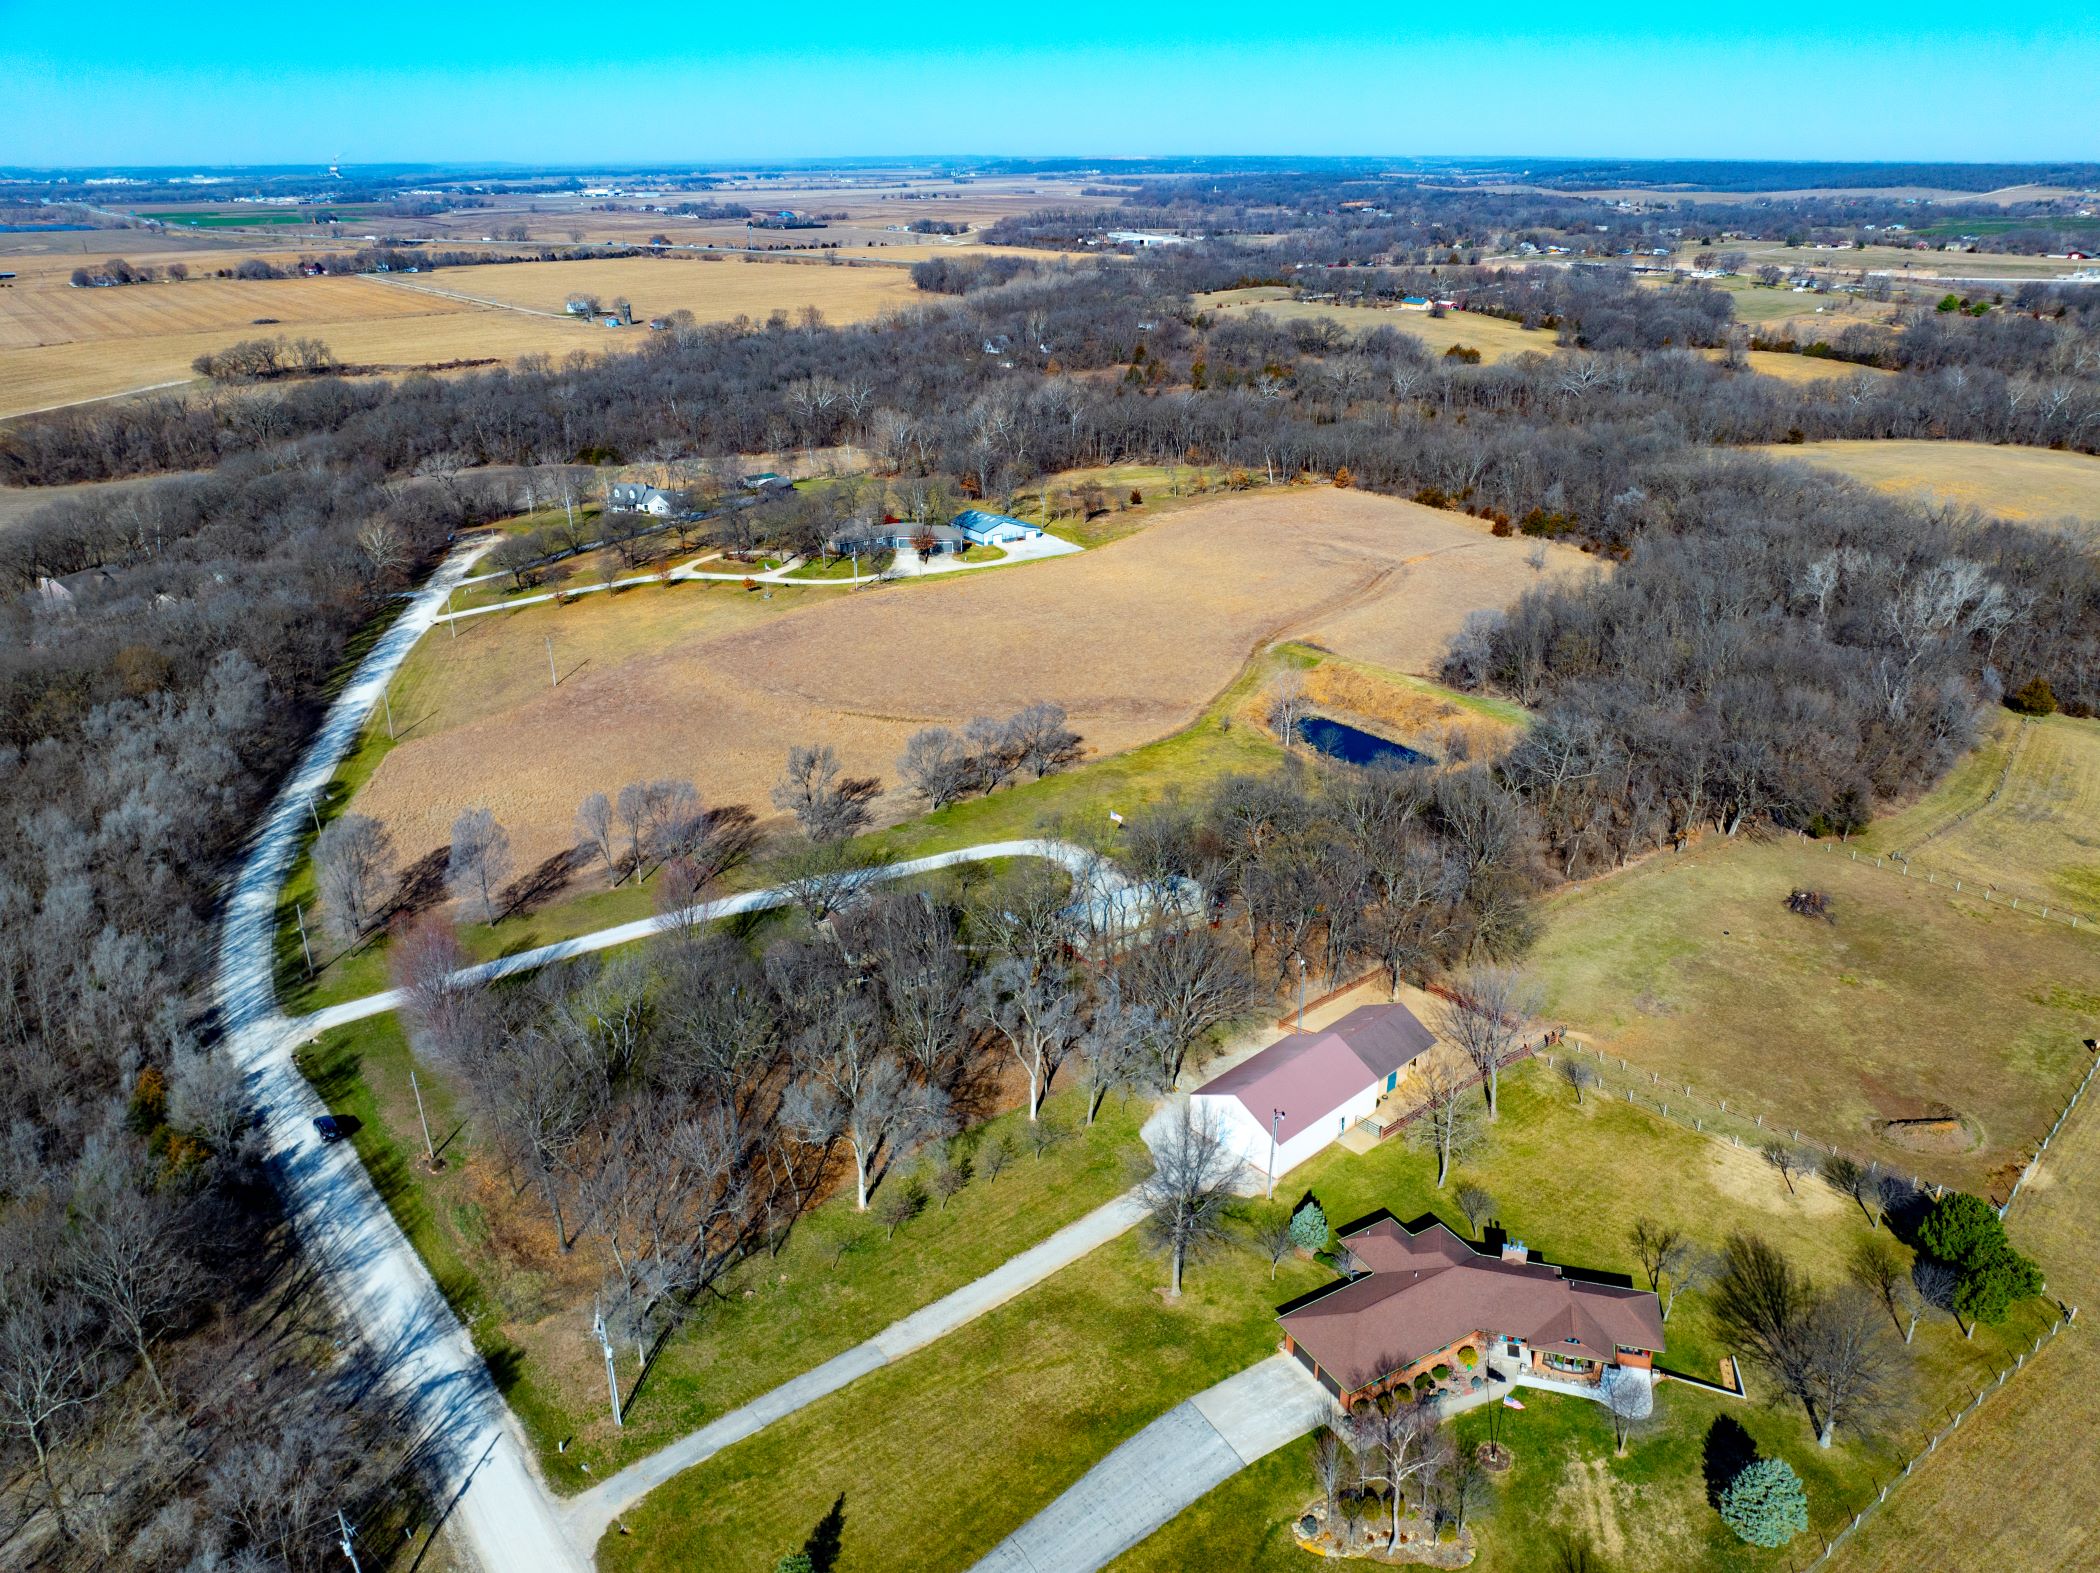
[[836, 1282], [942, 1454], [1913, 1002]]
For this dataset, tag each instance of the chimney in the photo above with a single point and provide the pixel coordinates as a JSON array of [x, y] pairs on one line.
[[1513, 1251]]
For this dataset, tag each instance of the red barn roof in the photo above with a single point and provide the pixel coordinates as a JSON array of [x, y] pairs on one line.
[[1309, 1075]]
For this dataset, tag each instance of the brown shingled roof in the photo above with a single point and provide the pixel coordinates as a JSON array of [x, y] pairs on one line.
[[1309, 1075], [1422, 1291]]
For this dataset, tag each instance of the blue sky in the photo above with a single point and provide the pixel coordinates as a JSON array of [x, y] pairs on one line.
[[527, 80]]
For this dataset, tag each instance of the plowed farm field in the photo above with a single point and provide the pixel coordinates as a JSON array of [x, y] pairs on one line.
[[714, 685], [60, 345]]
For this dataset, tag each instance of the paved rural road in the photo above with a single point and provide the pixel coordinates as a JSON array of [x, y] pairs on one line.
[[1193, 1448], [591, 1514], [494, 1503]]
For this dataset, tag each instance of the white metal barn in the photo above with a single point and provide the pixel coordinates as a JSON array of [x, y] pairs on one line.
[[1311, 1086]]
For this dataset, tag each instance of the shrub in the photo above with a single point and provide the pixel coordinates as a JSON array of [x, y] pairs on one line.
[[1469, 1357], [1442, 1373], [1765, 1504], [1309, 1229], [2035, 697], [1424, 1382]]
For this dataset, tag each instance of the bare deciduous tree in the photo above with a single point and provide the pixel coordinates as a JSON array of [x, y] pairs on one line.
[[1688, 1268], [1036, 1014], [1630, 1400], [1845, 1363], [1192, 980], [594, 817], [51, 1367], [936, 765], [1578, 1074], [1120, 1047], [129, 1252], [1478, 1204], [1484, 1017], [479, 862], [1656, 1244], [1450, 1123], [827, 805], [354, 870], [1788, 1159], [1186, 1195]]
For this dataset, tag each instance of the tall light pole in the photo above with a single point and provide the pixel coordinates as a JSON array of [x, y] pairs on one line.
[[1301, 992], [429, 1152], [1275, 1119], [347, 1535], [612, 1373]]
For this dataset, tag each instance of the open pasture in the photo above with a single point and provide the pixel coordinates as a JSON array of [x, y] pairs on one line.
[[1134, 639], [2021, 813], [1912, 1004], [1495, 338], [2029, 485]]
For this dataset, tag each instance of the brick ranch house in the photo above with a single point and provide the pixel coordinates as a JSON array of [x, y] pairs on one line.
[[1417, 1300]]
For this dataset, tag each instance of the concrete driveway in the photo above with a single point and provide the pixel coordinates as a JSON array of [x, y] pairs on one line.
[[1193, 1448]]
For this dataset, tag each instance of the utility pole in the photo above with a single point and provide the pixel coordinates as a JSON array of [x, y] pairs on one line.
[[552, 680], [612, 1372], [299, 912], [1275, 1119], [388, 700], [1301, 993], [429, 1152], [313, 813], [347, 1534]]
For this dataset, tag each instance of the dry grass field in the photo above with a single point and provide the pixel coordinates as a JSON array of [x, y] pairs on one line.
[[711, 291], [2021, 813], [1496, 339], [1911, 1004], [2028, 484], [61, 345], [1134, 639], [1804, 368]]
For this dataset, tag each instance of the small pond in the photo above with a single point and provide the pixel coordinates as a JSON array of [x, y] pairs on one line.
[[1354, 746]]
